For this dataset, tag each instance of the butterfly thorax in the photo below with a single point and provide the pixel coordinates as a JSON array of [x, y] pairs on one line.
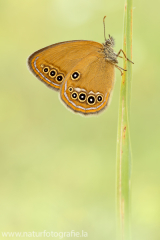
[[110, 55]]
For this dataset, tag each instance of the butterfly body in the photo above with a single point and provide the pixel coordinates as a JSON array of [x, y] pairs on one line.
[[82, 70]]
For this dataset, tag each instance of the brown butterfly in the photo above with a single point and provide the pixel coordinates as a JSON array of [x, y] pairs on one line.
[[82, 70]]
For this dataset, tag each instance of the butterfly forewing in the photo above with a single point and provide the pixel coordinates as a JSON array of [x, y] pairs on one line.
[[52, 64]]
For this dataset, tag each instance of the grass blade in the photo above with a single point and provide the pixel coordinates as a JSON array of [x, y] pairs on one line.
[[123, 136]]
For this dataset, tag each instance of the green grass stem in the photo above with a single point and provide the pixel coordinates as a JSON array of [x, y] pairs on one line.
[[123, 136]]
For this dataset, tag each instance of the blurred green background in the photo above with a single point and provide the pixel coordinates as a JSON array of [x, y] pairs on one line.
[[58, 168]]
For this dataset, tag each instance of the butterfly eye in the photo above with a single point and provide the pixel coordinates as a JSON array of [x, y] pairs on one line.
[[70, 89], [52, 73], [59, 78], [91, 100], [75, 75], [99, 98], [46, 69], [74, 95], [82, 97]]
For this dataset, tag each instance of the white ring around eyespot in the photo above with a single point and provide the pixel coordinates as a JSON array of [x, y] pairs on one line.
[[91, 108], [42, 74]]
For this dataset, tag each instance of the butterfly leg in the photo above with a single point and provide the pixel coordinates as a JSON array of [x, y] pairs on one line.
[[124, 55], [120, 69]]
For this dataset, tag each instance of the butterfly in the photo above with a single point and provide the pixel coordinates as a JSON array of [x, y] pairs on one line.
[[83, 71]]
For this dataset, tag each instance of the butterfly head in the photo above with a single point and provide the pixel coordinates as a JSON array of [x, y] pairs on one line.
[[109, 42]]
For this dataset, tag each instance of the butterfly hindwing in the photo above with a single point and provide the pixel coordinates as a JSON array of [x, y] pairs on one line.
[[52, 64], [87, 87]]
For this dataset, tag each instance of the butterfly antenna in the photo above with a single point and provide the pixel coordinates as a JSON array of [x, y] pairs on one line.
[[104, 28]]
